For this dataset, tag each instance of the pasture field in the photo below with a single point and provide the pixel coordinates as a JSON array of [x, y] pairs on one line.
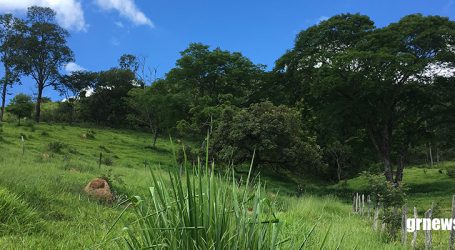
[[44, 207]]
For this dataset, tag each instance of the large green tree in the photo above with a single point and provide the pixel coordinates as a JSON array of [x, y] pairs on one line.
[[44, 51], [210, 78], [372, 78], [11, 28], [106, 104]]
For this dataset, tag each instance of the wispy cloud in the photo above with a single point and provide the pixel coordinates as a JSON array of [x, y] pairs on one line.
[[119, 24], [115, 41], [72, 66], [127, 9], [69, 12]]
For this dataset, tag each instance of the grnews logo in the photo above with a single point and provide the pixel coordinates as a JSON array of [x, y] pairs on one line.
[[416, 224]]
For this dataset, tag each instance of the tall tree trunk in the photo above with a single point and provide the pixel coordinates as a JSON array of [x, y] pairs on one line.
[[381, 142], [4, 88], [38, 102], [430, 154], [400, 168], [387, 168], [338, 168], [155, 137]]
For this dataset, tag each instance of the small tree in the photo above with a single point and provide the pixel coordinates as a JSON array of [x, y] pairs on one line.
[[21, 106], [154, 108]]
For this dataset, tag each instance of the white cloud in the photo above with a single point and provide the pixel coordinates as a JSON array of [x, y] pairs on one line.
[[127, 9], [69, 12], [72, 66]]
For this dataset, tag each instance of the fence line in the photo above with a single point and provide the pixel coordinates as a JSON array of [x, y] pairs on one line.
[[364, 206]]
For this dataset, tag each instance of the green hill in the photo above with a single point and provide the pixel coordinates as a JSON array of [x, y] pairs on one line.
[[44, 175]]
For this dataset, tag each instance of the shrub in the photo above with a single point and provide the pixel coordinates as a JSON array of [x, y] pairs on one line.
[[90, 134], [56, 147], [451, 173], [391, 197], [106, 160]]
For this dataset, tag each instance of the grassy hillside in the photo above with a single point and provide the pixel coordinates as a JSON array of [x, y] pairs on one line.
[[42, 181]]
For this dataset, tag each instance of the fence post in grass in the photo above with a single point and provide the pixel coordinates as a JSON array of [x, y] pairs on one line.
[[23, 145], [358, 203], [363, 204], [414, 238], [353, 203], [376, 216], [369, 205], [101, 158], [452, 231], [428, 237], [404, 217]]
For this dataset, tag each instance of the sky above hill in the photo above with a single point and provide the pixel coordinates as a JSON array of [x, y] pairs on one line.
[[103, 30]]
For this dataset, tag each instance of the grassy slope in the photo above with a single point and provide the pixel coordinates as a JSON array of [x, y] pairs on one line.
[[52, 187]]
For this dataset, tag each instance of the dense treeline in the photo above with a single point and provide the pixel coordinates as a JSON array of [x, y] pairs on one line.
[[348, 97]]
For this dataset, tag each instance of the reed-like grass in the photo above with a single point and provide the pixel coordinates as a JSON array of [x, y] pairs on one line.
[[203, 210]]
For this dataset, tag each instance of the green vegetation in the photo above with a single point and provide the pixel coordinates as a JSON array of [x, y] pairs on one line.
[[48, 187], [348, 99]]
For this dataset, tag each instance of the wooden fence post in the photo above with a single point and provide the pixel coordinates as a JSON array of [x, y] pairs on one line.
[[414, 238], [358, 203], [353, 203], [101, 159], [369, 205], [363, 204], [376, 216], [452, 231], [428, 237], [404, 232]]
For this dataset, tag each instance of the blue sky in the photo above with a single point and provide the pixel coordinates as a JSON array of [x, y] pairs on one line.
[[103, 30]]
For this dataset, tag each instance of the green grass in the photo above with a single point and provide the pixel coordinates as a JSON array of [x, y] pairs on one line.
[[44, 177]]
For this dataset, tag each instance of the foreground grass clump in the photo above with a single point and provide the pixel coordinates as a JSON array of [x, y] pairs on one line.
[[203, 211], [15, 215]]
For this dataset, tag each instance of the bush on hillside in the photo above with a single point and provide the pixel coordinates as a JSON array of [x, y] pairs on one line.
[[56, 147]]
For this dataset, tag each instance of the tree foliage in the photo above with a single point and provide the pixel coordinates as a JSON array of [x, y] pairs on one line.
[[372, 78], [44, 50], [21, 106], [273, 134]]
